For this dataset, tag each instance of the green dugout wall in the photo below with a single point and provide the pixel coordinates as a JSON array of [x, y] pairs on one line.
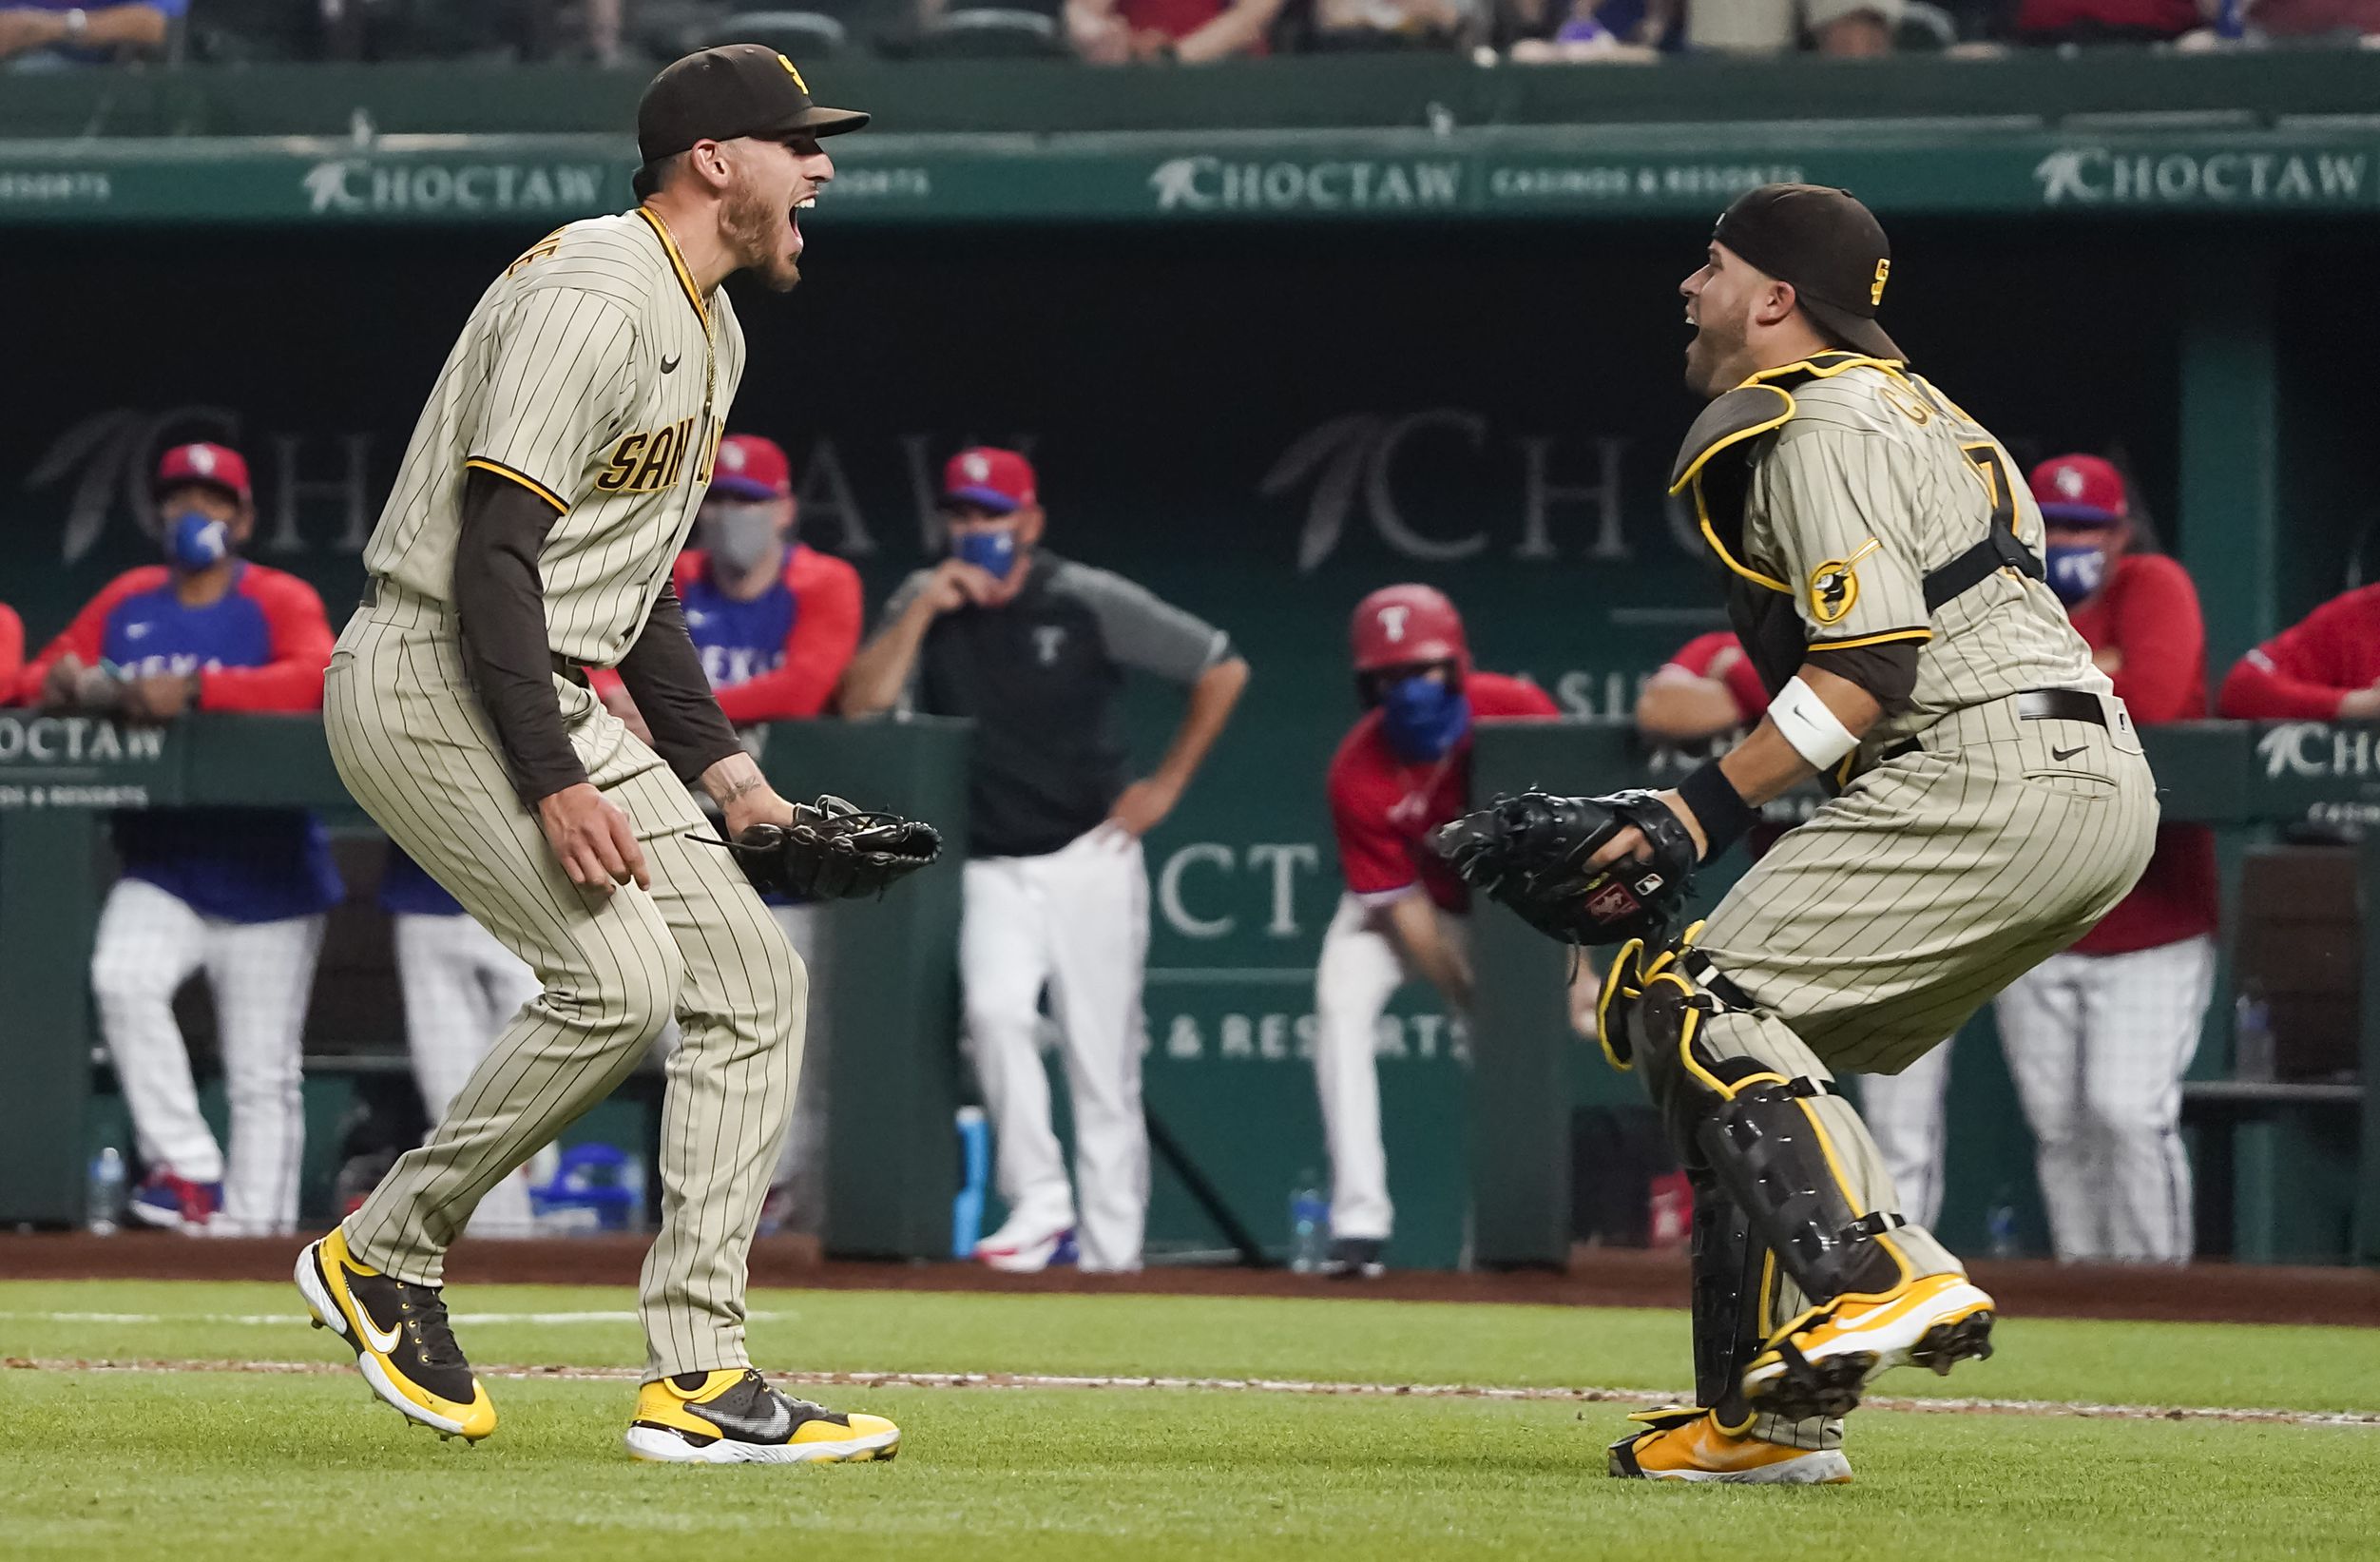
[[1277, 335]]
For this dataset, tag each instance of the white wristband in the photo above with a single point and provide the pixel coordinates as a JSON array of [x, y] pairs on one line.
[[1812, 730]]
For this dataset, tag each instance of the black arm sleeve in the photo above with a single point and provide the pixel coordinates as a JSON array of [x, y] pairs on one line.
[[1887, 670], [501, 602], [664, 674]]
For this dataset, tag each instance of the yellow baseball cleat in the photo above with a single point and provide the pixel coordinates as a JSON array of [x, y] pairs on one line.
[[1682, 1442], [398, 1332], [732, 1417], [1822, 1361]]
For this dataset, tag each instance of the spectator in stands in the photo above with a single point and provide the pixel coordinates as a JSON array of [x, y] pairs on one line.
[[2098, 1038], [1577, 32], [1177, 32], [1847, 29], [2105, 21], [1376, 26], [238, 892], [1035, 648], [53, 32], [2326, 668], [11, 651], [1698, 700], [776, 621]]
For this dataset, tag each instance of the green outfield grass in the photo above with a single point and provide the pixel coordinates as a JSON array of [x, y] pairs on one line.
[[198, 1465]]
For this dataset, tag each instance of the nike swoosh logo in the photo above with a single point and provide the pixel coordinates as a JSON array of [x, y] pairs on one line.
[[778, 1427], [384, 1343], [2061, 755], [669, 366]]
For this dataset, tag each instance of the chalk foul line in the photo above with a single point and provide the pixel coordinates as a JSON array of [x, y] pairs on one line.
[[2074, 1408]]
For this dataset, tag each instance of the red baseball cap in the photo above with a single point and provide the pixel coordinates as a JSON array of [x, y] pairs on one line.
[[750, 467], [999, 480], [217, 464], [2080, 491]]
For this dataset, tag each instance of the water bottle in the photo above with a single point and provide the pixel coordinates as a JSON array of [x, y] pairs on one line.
[[2000, 1230], [967, 1209], [632, 1182], [2252, 1034], [1309, 1226], [105, 1197], [2230, 19]]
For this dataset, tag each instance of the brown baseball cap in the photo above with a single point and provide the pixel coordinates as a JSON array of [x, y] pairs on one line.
[[1828, 245], [737, 90]]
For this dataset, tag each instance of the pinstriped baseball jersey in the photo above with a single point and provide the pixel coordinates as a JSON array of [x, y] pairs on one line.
[[1877, 479], [593, 373]]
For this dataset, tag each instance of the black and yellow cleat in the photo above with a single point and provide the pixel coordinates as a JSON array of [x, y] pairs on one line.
[[1821, 1362], [732, 1417], [398, 1332], [1683, 1442]]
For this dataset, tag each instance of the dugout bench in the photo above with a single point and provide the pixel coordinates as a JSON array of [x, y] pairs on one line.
[[2276, 1151]]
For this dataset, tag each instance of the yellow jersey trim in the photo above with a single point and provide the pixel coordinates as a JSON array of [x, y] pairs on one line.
[[1857, 641], [677, 263], [523, 478]]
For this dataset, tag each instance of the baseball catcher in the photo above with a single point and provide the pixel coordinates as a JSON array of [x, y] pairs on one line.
[[1885, 579]]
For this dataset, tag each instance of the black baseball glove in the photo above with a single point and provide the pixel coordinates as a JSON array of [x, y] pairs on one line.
[[1529, 854], [834, 851]]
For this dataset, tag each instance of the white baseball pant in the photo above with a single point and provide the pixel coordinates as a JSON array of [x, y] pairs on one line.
[[2098, 1045], [461, 987], [1075, 921], [1360, 968], [149, 943], [1907, 1117]]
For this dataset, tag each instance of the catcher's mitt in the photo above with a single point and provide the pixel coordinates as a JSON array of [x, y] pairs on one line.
[[834, 851], [1529, 854]]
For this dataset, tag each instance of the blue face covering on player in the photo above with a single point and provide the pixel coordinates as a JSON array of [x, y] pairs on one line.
[[1423, 717], [193, 541], [2076, 570], [991, 548]]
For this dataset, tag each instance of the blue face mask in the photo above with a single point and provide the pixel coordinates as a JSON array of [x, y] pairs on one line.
[[1423, 718], [2076, 570], [193, 542], [992, 549]]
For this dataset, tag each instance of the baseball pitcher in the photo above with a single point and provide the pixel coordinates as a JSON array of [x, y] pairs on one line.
[[1886, 578], [548, 484]]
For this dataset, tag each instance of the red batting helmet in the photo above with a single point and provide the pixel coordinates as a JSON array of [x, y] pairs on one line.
[[1400, 625]]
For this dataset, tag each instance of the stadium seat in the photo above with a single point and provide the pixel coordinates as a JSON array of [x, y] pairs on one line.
[[978, 33], [803, 35]]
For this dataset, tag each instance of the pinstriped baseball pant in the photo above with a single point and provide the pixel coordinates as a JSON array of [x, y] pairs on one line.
[[1906, 904], [413, 745]]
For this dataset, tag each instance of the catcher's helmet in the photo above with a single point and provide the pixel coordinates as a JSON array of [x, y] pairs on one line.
[[1400, 625]]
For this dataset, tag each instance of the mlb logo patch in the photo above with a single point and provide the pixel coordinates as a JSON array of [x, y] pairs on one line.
[[1613, 902]]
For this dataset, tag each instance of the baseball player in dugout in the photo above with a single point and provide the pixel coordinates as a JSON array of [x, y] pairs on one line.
[[548, 488], [237, 892], [776, 621], [1402, 770], [1885, 575], [2099, 1037], [2324, 668], [1035, 648]]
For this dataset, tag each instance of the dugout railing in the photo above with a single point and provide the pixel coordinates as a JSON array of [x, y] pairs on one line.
[[2298, 1157]]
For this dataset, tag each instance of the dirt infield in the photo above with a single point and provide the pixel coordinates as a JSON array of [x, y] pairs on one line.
[[1597, 1277]]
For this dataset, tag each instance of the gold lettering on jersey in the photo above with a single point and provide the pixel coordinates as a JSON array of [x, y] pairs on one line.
[[646, 462], [1876, 290], [537, 251], [1902, 402], [1835, 586]]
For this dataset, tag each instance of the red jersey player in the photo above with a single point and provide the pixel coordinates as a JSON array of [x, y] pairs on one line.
[[1403, 770], [2326, 668]]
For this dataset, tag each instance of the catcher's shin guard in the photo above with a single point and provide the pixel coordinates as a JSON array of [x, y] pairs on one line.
[[1758, 1135], [1729, 1325]]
